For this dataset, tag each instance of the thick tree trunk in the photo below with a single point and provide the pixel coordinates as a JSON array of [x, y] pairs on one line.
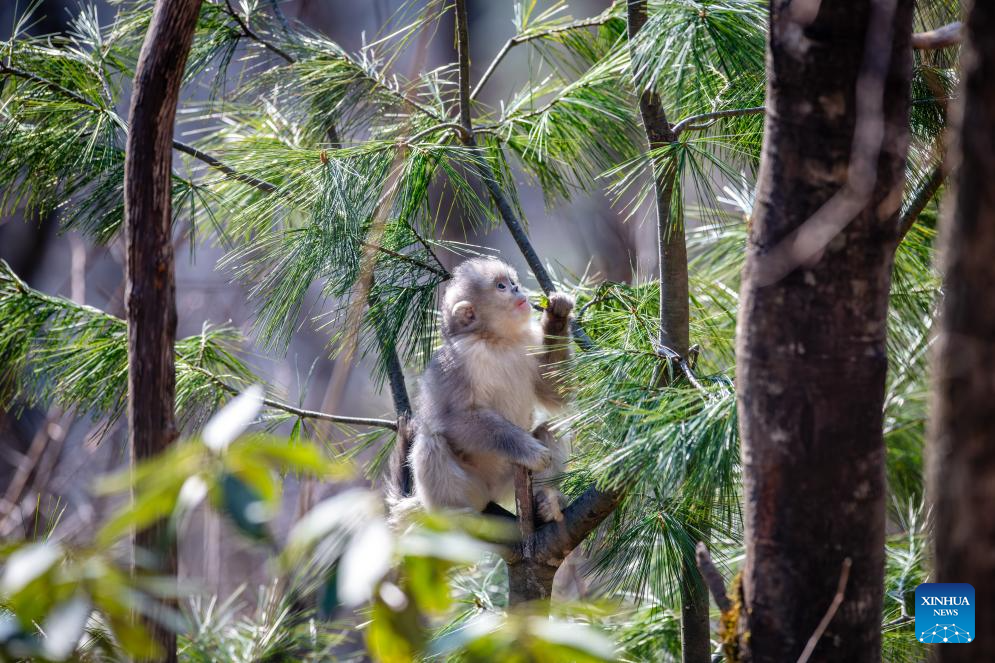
[[962, 438], [811, 357], [148, 232]]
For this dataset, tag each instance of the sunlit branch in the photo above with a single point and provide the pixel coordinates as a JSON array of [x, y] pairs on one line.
[[487, 173], [211, 161], [438, 271], [600, 19], [920, 199], [180, 146], [253, 35], [296, 411], [705, 120]]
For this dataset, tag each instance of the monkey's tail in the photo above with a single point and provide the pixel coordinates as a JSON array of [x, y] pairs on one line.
[[402, 510]]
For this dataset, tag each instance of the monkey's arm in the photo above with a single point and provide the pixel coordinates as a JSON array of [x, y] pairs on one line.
[[485, 431], [555, 347]]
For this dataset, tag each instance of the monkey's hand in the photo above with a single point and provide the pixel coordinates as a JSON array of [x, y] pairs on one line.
[[536, 457], [560, 305]]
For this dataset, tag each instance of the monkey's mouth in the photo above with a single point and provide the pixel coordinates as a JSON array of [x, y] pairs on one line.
[[522, 304]]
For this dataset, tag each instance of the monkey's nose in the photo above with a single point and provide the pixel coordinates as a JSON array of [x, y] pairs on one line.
[[514, 289]]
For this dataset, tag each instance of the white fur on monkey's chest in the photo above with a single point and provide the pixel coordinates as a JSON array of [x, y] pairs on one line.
[[502, 378]]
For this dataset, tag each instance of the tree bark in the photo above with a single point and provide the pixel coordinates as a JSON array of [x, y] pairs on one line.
[[151, 296], [811, 356], [962, 439]]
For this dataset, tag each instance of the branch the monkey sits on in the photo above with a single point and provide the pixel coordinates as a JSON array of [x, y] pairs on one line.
[[479, 395]]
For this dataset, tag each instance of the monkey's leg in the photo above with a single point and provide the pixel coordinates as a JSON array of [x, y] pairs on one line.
[[549, 501]]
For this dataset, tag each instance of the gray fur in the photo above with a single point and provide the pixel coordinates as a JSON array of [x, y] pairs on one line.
[[479, 394]]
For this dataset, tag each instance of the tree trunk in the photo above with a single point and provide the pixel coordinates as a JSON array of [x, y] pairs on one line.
[[962, 438], [150, 280], [674, 325], [811, 357]]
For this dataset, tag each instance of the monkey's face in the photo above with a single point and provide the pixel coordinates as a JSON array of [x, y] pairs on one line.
[[485, 296], [510, 295]]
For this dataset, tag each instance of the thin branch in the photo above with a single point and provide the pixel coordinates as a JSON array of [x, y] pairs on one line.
[[251, 34], [428, 247], [278, 11], [52, 85], [524, 38], [408, 259], [705, 120], [830, 613], [300, 412], [501, 201], [712, 577], [942, 37], [920, 199], [496, 127], [331, 133], [223, 167], [904, 619], [457, 128]]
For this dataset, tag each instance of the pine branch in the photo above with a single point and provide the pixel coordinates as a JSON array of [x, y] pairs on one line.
[[217, 164], [211, 161], [331, 133], [63, 320], [54, 87], [526, 37], [300, 412], [408, 259], [251, 34], [920, 199], [705, 120]]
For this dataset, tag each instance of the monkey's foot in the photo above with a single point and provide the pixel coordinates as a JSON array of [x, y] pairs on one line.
[[549, 504]]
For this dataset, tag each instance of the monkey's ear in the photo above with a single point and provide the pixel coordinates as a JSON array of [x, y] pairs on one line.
[[463, 314]]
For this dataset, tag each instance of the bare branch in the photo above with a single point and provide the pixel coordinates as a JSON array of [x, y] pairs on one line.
[[830, 613], [712, 577], [942, 37], [251, 34], [501, 201], [526, 37], [211, 161], [920, 199], [705, 120], [300, 412]]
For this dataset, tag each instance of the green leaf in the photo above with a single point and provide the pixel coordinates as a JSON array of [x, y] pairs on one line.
[[244, 506]]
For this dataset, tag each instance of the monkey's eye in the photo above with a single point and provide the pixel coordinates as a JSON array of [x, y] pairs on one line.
[[500, 286]]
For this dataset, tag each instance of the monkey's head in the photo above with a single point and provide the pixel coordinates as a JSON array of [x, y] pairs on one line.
[[484, 296]]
